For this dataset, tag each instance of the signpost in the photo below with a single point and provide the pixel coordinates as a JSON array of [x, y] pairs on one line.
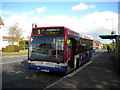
[[113, 33]]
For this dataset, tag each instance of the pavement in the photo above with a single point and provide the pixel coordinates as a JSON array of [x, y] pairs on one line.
[[100, 74]]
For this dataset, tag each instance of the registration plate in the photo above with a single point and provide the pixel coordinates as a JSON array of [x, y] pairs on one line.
[[44, 70]]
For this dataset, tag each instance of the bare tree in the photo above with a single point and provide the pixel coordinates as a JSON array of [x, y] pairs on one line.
[[14, 33]]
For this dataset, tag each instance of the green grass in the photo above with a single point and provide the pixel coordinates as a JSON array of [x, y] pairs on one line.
[[8, 53]]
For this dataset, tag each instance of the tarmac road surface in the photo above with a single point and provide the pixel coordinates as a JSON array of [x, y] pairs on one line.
[[15, 74]]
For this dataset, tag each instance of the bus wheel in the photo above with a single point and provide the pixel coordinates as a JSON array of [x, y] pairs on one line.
[[77, 63], [81, 62]]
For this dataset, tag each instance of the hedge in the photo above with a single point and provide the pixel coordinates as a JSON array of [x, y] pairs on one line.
[[10, 48]]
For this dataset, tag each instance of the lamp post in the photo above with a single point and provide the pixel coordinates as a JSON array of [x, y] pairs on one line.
[[113, 31]]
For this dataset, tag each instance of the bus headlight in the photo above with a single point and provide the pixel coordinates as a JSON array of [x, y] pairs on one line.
[[29, 61], [57, 66]]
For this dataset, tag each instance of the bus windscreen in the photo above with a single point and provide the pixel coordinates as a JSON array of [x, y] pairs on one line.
[[46, 48]]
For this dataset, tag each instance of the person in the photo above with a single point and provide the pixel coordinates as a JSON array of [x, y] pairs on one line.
[[108, 48], [69, 58], [84, 48], [91, 52]]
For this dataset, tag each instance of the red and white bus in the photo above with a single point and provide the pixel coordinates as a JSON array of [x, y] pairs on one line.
[[48, 49]]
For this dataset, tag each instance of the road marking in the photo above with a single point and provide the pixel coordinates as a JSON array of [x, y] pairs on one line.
[[13, 56], [69, 75], [18, 72], [79, 69], [31, 77], [11, 62]]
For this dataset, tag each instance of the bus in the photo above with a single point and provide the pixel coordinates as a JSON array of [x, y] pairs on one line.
[[48, 49]]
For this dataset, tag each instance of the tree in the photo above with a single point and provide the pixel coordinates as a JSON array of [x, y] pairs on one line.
[[104, 46], [14, 33], [28, 37], [22, 45]]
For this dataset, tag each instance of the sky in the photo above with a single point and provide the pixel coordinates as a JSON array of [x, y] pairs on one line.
[[86, 18]]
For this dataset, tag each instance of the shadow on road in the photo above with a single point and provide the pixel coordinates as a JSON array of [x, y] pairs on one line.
[[102, 73], [17, 75]]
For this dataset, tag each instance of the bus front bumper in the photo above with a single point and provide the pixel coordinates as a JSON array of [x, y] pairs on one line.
[[47, 69]]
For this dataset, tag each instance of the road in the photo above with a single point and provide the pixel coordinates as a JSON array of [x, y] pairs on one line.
[[12, 58], [101, 74], [15, 74]]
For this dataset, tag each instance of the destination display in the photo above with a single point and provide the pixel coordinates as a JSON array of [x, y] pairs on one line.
[[49, 31]]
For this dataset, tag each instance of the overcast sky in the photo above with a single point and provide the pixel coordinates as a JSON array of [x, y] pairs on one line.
[[86, 18]]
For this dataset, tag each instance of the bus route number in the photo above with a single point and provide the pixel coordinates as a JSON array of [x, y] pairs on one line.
[[38, 31]]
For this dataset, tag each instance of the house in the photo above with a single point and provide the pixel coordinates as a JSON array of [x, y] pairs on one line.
[[6, 42], [1, 32], [97, 45]]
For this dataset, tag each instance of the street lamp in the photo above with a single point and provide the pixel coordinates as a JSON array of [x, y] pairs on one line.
[[113, 31]]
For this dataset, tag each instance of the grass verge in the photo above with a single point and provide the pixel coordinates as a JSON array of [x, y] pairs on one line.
[[8, 53]]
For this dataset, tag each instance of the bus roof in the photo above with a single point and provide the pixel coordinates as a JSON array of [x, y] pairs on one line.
[[48, 27], [67, 30], [73, 33]]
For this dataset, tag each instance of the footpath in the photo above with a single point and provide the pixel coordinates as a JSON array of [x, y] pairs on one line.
[[100, 74]]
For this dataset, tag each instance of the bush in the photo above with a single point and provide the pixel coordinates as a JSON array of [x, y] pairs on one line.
[[104, 46], [3, 49], [16, 48], [22, 45], [13, 48]]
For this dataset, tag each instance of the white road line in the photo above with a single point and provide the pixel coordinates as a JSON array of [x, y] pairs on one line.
[[78, 70], [13, 56], [69, 75], [11, 62]]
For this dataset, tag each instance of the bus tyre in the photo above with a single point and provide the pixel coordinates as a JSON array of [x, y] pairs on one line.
[[77, 63], [29, 68]]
